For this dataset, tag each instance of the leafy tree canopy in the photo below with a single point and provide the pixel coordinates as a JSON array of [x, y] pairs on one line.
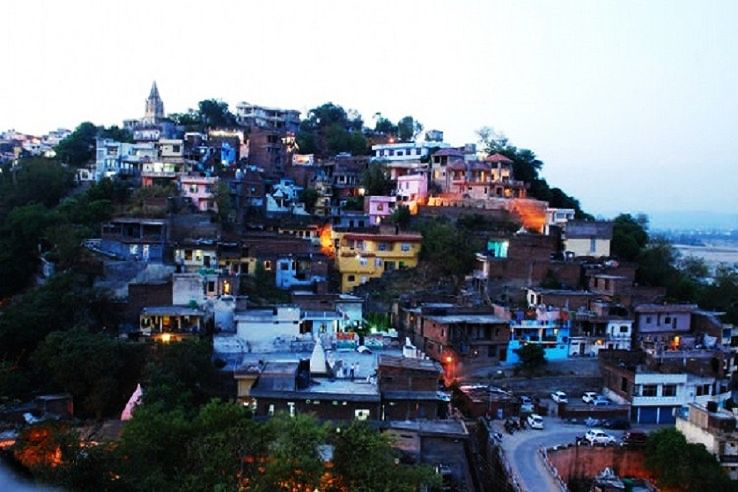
[[329, 129]]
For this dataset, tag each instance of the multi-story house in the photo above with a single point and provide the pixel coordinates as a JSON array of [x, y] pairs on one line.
[[587, 238], [412, 191], [252, 115], [120, 158], [200, 190], [379, 208], [658, 387], [558, 217], [132, 238], [405, 151], [159, 173], [461, 340], [171, 150], [548, 328], [439, 162], [591, 333], [665, 327], [260, 327], [715, 429], [362, 256]]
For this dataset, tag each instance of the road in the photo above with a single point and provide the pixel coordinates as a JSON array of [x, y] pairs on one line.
[[521, 450]]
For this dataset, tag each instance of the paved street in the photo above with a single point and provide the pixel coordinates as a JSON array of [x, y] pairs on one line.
[[522, 448]]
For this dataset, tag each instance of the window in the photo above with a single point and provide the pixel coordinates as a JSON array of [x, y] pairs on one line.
[[378, 262], [592, 245], [382, 247], [623, 328], [363, 261], [267, 265], [405, 247], [668, 390], [211, 287], [176, 149], [649, 390], [624, 385], [284, 266], [351, 278], [361, 414], [271, 409], [667, 320], [380, 207], [648, 319]]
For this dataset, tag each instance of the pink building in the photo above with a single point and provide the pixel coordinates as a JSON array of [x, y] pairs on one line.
[[201, 190], [379, 207], [412, 190]]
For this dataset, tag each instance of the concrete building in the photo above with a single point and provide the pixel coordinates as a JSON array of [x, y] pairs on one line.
[[405, 151], [201, 191], [379, 208], [133, 238], [716, 430], [253, 115], [658, 387], [260, 327], [362, 256], [663, 327], [548, 328], [114, 158], [412, 191], [587, 238]]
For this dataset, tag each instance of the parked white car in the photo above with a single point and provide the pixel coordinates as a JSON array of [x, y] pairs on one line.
[[559, 397], [598, 436], [601, 401], [535, 421], [589, 396]]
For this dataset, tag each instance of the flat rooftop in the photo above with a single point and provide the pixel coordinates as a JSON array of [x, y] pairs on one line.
[[480, 319]]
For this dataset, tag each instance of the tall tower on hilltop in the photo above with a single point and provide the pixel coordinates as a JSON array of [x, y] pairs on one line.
[[154, 106]]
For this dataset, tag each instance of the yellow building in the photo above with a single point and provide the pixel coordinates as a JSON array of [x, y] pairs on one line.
[[362, 256]]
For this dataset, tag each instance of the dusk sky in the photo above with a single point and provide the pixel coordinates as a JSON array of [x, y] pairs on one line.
[[631, 105]]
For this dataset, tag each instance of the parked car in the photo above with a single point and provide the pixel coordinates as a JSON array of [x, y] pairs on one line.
[[526, 405], [559, 397], [535, 421], [598, 436], [635, 439], [589, 396], [601, 401]]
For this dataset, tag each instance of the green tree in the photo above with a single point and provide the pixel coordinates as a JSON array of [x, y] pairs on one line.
[[294, 460], [223, 199], [215, 113], [79, 147], [116, 133], [384, 126], [449, 249], [679, 465], [401, 216], [376, 180], [153, 450], [94, 368], [629, 236], [532, 356], [309, 197], [408, 128], [35, 180], [364, 461], [329, 129]]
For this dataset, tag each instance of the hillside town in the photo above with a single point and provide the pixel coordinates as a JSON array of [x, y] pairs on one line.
[[190, 269]]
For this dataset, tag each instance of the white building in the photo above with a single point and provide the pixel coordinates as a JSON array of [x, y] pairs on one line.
[[264, 329], [405, 151], [265, 117]]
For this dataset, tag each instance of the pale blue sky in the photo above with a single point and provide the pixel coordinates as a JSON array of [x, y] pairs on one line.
[[631, 105]]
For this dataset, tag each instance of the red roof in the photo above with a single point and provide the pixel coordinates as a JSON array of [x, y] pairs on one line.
[[497, 158], [480, 166]]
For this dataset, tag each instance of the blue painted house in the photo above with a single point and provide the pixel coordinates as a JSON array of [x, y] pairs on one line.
[[547, 328]]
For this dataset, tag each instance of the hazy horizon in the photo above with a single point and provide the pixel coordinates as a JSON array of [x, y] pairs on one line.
[[627, 103]]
